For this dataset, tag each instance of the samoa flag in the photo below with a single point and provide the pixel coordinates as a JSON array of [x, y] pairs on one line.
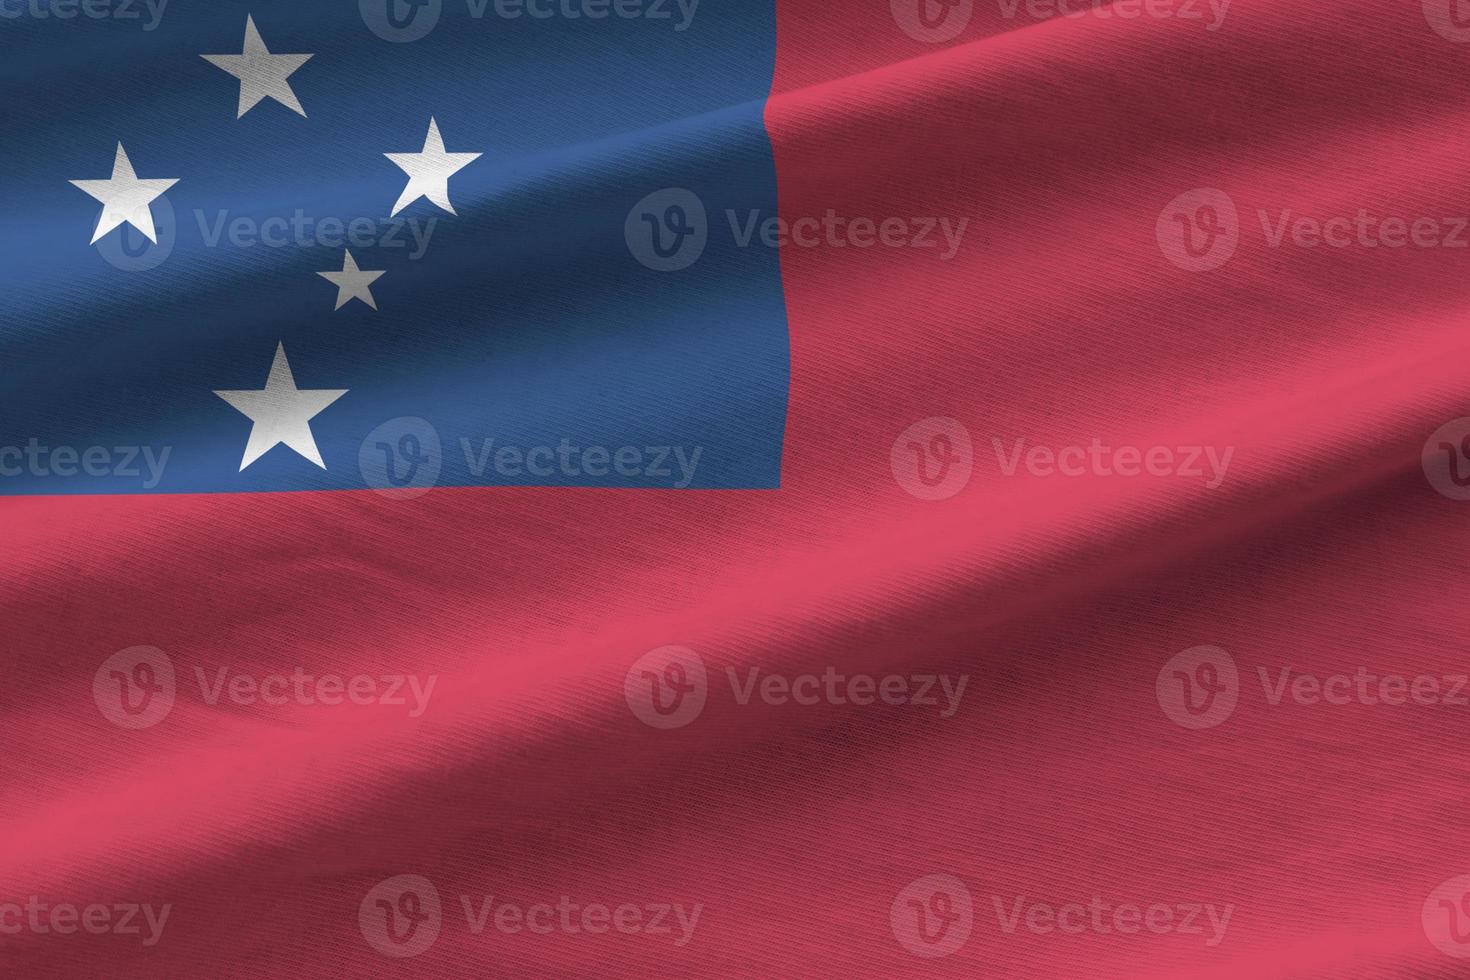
[[698, 488]]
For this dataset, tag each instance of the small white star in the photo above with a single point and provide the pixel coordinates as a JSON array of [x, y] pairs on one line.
[[261, 74], [125, 197], [352, 283], [429, 171], [282, 413]]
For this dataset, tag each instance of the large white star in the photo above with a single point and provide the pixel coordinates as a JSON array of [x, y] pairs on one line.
[[125, 197], [282, 413], [429, 171], [261, 74], [352, 283]]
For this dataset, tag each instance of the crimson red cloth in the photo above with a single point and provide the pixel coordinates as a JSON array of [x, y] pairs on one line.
[[1063, 803]]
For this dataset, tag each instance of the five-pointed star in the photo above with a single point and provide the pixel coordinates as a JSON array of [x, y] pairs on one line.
[[429, 171], [261, 74], [352, 283], [281, 413], [125, 197]]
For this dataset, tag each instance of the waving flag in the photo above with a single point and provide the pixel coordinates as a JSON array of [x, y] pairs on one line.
[[686, 488]]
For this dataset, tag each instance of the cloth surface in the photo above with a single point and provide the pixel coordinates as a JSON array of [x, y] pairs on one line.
[[1192, 709]]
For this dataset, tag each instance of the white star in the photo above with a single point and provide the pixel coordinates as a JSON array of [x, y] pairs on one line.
[[352, 283], [429, 171], [281, 413], [125, 197], [261, 74]]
